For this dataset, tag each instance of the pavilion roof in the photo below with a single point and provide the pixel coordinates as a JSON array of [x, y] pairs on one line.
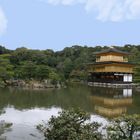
[[112, 50], [110, 62]]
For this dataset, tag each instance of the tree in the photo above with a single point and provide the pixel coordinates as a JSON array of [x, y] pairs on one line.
[[42, 72], [68, 66], [6, 69], [70, 125], [52, 61], [19, 55], [3, 50], [137, 73], [54, 77], [124, 127], [28, 70]]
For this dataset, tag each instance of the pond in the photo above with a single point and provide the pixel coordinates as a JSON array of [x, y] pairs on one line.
[[27, 108]]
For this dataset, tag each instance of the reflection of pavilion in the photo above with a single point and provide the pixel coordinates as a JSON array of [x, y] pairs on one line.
[[111, 103]]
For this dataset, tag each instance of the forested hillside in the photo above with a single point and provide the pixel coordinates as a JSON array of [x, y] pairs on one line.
[[28, 64]]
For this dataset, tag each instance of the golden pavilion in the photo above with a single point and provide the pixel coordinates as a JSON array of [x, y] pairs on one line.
[[111, 66]]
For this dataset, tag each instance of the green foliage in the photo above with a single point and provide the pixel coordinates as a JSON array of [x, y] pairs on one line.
[[70, 125], [68, 66], [6, 69], [52, 61], [62, 65], [3, 50], [28, 69], [75, 125], [137, 73], [42, 72], [54, 77], [124, 127]]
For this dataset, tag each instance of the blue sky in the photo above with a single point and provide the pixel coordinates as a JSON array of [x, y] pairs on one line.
[[55, 24]]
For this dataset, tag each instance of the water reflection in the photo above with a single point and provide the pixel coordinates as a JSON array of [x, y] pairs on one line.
[[111, 103], [25, 121], [28, 117], [90, 99], [4, 127], [26, 108]]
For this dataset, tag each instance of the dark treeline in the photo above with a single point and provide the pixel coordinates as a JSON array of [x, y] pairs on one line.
[[28, 64]]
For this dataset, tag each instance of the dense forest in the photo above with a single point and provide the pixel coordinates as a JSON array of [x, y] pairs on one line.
[[70, 63]]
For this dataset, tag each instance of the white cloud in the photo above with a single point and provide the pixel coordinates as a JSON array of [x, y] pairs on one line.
[[65, 2], [106, 10], [3, 22]]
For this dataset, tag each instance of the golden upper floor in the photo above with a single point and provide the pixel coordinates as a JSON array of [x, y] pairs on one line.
[[112, 54], [111, 67], [110, 57]]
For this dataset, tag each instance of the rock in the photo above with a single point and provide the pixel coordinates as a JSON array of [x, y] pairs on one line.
[[33, 84], [58, 85], [38, 85]]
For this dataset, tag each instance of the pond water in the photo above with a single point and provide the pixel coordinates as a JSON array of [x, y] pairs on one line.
[[27, 108]]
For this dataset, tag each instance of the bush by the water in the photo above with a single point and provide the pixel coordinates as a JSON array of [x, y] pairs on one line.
[[71, 125], [4, 127], [75, 125]]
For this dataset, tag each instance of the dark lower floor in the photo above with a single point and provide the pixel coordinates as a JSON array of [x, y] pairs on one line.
[[110, 77]]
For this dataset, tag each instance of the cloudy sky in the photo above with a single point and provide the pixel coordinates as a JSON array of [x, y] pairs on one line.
[[55, 24]]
